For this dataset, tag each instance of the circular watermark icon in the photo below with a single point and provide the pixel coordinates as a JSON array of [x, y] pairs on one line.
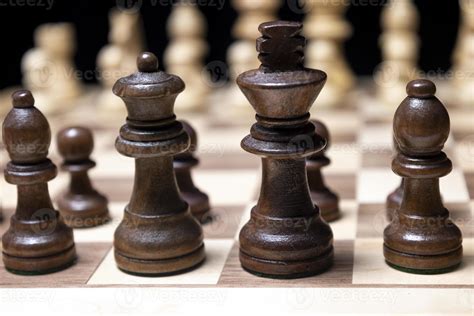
[[300, 144], [46, 221], [300, 298], [386, 74], [215, 74], [128, 298], [129, 6]]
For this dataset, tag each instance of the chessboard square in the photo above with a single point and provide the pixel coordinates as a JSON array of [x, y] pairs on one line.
[[463, 156], [227, 186], [453, 187], [208, 273], [375, 137], [370, 267], [340, 273], [105, 232], [371, 220], [245, 218], [116, 189], [342, 184], [377, 158], [224, 221], [460, 214], [341, 123], [470, 184], [111, 164], [89, 256], [374, 184], [345, 227], [345, 159]]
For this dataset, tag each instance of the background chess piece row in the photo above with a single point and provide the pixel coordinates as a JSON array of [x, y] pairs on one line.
[[399, 44], [48, 68], [326, 29], [463, 58]]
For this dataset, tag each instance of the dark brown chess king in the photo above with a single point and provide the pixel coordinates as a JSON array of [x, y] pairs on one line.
[[421, 238], [37, 241], [285, 237], [158, 234]]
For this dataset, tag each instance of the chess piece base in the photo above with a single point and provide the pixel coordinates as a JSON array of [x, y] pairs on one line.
[[40, 265], [199, 204], [160, 267], [279, 269], [83, 211], [394, 200], [423, 264], [328, 204]]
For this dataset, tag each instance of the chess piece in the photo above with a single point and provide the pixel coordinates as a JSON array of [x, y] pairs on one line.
[[285, 236], [399, 43], [394, 199], [325, 199], [422, 238], [241, 54], [81, 206], [37, 241], [118, 58], [158, 234], [463, 58], [327, 30], [48, 69], [182, 163], [185, 54]]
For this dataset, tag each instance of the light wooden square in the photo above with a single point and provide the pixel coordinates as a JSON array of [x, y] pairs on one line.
[[217, 251]]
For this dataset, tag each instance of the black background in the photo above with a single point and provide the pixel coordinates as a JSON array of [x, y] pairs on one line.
[[439, 20]]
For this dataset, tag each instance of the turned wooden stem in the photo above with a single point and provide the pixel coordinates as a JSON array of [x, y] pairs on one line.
[[289, 198], [31, 198], [155, 191], [80, 183], [422, 197]]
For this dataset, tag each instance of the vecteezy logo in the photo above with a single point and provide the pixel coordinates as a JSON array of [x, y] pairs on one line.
[[45, 221], [215, 74]]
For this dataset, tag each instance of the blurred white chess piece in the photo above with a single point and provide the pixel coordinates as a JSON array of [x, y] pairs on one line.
[[463, 58], [118, 58], [184, 55], [399, 43], [242, 55], [48, 68], [326, 30]]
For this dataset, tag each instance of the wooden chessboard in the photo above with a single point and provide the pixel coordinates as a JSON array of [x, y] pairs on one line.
[[360, 173]]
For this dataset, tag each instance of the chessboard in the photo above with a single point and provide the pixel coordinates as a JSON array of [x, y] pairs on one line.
[[360, 153]]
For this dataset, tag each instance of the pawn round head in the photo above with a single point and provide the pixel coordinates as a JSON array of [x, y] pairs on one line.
[[75, 143], [26, 132], [421, 123], [322, 131], [147, 62]]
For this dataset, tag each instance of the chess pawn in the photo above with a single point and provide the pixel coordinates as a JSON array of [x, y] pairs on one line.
[[325, 199], [48, 69], [37, 241], [394, 199], [118, 58], [422, 238], [399, 44], [326, 29], [184, 55], [285, 236], [81, 206], [158, 234], [182, 163]]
